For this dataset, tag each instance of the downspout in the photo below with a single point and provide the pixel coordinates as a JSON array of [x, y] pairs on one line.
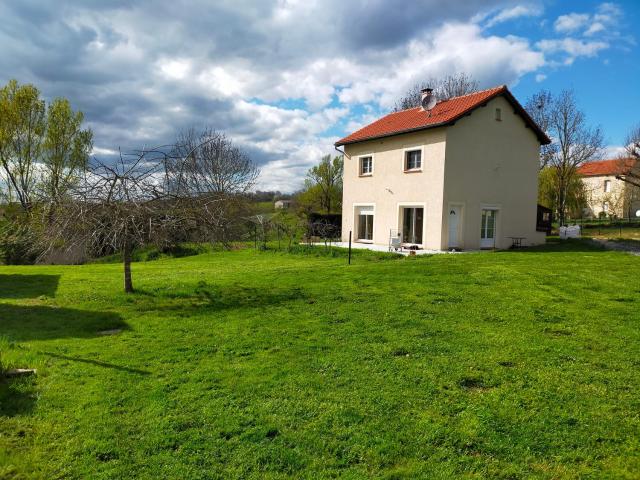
[[342, 152], [344, 155]]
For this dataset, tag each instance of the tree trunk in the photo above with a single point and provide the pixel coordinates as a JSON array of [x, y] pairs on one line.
[[126, 260]]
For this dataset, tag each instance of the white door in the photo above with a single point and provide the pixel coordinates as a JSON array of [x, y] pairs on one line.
[[454, 223], [488, 229]]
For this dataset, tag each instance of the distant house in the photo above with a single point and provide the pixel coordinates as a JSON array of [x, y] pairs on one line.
[[607, 191], [282, 204], [462, 173]]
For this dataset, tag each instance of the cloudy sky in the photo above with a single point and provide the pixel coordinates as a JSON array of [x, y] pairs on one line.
[[287, 78]]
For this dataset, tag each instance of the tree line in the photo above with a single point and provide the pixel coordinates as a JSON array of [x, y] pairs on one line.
[[63, 205], [60, 200], [199, 188]]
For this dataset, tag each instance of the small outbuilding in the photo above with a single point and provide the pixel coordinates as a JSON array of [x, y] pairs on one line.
[[282, 204]]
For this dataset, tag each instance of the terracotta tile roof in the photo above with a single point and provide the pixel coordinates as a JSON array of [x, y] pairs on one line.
[[615, 166], [444, 113]]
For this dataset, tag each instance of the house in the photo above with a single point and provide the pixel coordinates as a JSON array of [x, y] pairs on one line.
[[462, 174], [282, 204], [612, 188]]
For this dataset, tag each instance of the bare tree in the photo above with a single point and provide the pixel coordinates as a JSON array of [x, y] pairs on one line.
[[156, 196], [208, 162], [633, 143], [628, 170], [577, 143], [116, 207], [207, 166], [540, 108], [444, 88]]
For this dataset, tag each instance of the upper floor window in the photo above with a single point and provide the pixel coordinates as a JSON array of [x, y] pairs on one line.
[[366, 165], [412, 160], [498, 114], [607, 186]]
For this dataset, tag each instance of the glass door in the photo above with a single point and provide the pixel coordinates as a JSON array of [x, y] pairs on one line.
[[412, 220], [488, 229]]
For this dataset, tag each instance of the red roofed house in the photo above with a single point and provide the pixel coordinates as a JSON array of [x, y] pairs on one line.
[[607, 193], [463, 174]]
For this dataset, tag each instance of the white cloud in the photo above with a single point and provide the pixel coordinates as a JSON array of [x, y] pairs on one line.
[[452, 48], [572, 47], [606, 19], [175, 69], [571, 22], [594, 28], [540, 77], [283, 78], [513, 13], [613, 151], [102, 151]]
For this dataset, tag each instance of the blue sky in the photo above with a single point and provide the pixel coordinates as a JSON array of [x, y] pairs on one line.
[[286, 78], [606, 84]]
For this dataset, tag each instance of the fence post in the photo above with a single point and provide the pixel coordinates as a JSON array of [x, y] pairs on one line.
[[349, 247]]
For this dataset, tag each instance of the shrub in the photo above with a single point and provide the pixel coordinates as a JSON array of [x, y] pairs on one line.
[[17, 244]]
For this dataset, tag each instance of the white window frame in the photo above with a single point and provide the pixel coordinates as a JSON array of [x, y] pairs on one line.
[[400, 206], [360, 157], [497, 227], [356, 214], [607, 186], [406, 150], [605, 207]]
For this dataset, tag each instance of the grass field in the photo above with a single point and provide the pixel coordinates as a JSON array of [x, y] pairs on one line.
[[613, 233], [269, 365]]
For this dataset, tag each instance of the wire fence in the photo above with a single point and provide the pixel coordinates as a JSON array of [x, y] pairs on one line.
[[608, 222]]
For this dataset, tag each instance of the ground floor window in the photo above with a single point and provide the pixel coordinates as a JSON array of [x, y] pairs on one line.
[[365, 223]]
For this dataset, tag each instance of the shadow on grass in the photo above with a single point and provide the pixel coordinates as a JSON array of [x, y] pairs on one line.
[[216, 298], [17, 396], [28, 286], [24, 323], [97, 363]]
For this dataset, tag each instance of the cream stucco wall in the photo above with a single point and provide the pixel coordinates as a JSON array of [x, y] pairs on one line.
[[493, 164], [389, 187], [488, 163], [596, 196]]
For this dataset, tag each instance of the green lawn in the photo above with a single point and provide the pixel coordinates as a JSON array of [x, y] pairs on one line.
[[269, 365]]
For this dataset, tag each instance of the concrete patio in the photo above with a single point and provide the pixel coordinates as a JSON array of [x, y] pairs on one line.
[[383, 248]]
